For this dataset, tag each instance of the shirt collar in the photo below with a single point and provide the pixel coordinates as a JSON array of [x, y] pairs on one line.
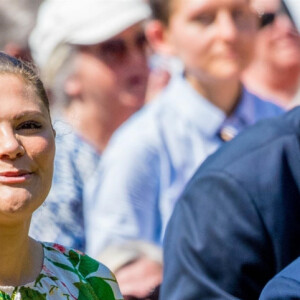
[[244, 114], [209, 118], [194, 107]]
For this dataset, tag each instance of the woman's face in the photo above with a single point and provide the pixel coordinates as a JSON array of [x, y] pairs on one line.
[[27, 148], [278, 44], [214, 38]]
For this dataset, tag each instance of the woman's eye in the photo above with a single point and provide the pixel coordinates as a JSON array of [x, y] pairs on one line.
[[31, 125]]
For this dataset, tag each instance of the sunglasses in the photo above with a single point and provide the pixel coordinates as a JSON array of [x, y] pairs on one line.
[[267, 18], [117, 50]]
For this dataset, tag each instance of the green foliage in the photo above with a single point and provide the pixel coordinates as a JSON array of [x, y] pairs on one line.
[[63, 266], [4, 296], [30, 294], [83, 267], [74, 258], [102, 289], [87, 266], [85, 291]]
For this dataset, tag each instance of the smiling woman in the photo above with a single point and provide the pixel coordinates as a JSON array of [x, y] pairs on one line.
[[30, 269], [27, 141]]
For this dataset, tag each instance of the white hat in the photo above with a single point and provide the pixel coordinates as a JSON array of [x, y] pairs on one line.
[[82, 22]]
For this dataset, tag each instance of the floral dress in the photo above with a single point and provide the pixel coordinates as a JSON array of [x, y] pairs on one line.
[[67, 274]]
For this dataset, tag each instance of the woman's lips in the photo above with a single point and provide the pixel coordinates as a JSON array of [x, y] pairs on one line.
[[14, 176]]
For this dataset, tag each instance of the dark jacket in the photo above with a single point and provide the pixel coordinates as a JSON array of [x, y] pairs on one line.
[[237, 223]]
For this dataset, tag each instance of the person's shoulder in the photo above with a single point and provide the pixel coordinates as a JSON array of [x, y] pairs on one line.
[[69, 140], [285, 285], [148, 119], [85, 263], [292, 271], [139, 135], [262, 134], [265, 107], [74, 158], [257, 149], [148, 126]]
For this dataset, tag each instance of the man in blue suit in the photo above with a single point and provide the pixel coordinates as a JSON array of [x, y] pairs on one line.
[[238, 222]]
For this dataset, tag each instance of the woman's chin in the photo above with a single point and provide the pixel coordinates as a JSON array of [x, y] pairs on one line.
[[16, 200]]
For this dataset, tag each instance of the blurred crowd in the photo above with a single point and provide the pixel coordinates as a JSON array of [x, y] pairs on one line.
[[141, 93]]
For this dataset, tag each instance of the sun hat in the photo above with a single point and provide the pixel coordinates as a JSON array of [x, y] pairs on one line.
[[82, 22]]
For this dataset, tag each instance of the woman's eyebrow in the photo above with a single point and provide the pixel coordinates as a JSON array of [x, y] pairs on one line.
[[28, 113]]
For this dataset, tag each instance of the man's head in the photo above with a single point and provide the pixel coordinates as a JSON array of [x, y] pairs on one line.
[[106, 44], [93, 60], [213, 38]]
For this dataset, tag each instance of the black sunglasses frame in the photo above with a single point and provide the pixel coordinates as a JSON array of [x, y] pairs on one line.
[[266, 19]]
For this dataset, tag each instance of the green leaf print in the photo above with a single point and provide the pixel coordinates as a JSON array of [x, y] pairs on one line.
[[40, 277], [85, 291], [30, 294], [63, 266], [102, 289], [87, 266], [74, 258], [4, 296], [38, 280]]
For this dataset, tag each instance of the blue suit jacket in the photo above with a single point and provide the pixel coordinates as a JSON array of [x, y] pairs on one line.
[[285, 285], [237, 223]]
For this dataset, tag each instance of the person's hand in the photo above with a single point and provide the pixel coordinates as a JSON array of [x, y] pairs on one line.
[[139, 278]]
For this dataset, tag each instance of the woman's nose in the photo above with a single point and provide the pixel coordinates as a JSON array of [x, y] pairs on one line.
[[10, 146]]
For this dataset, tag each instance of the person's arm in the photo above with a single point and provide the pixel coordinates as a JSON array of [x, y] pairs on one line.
[[285, 285], [216, 246], [121, 199], [281, 288], [123, 206]]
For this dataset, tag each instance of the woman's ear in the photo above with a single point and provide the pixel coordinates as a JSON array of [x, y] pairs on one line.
[[157, 35]]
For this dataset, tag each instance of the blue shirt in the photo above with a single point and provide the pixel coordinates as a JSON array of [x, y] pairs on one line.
[[61, 217], [152, 156]]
